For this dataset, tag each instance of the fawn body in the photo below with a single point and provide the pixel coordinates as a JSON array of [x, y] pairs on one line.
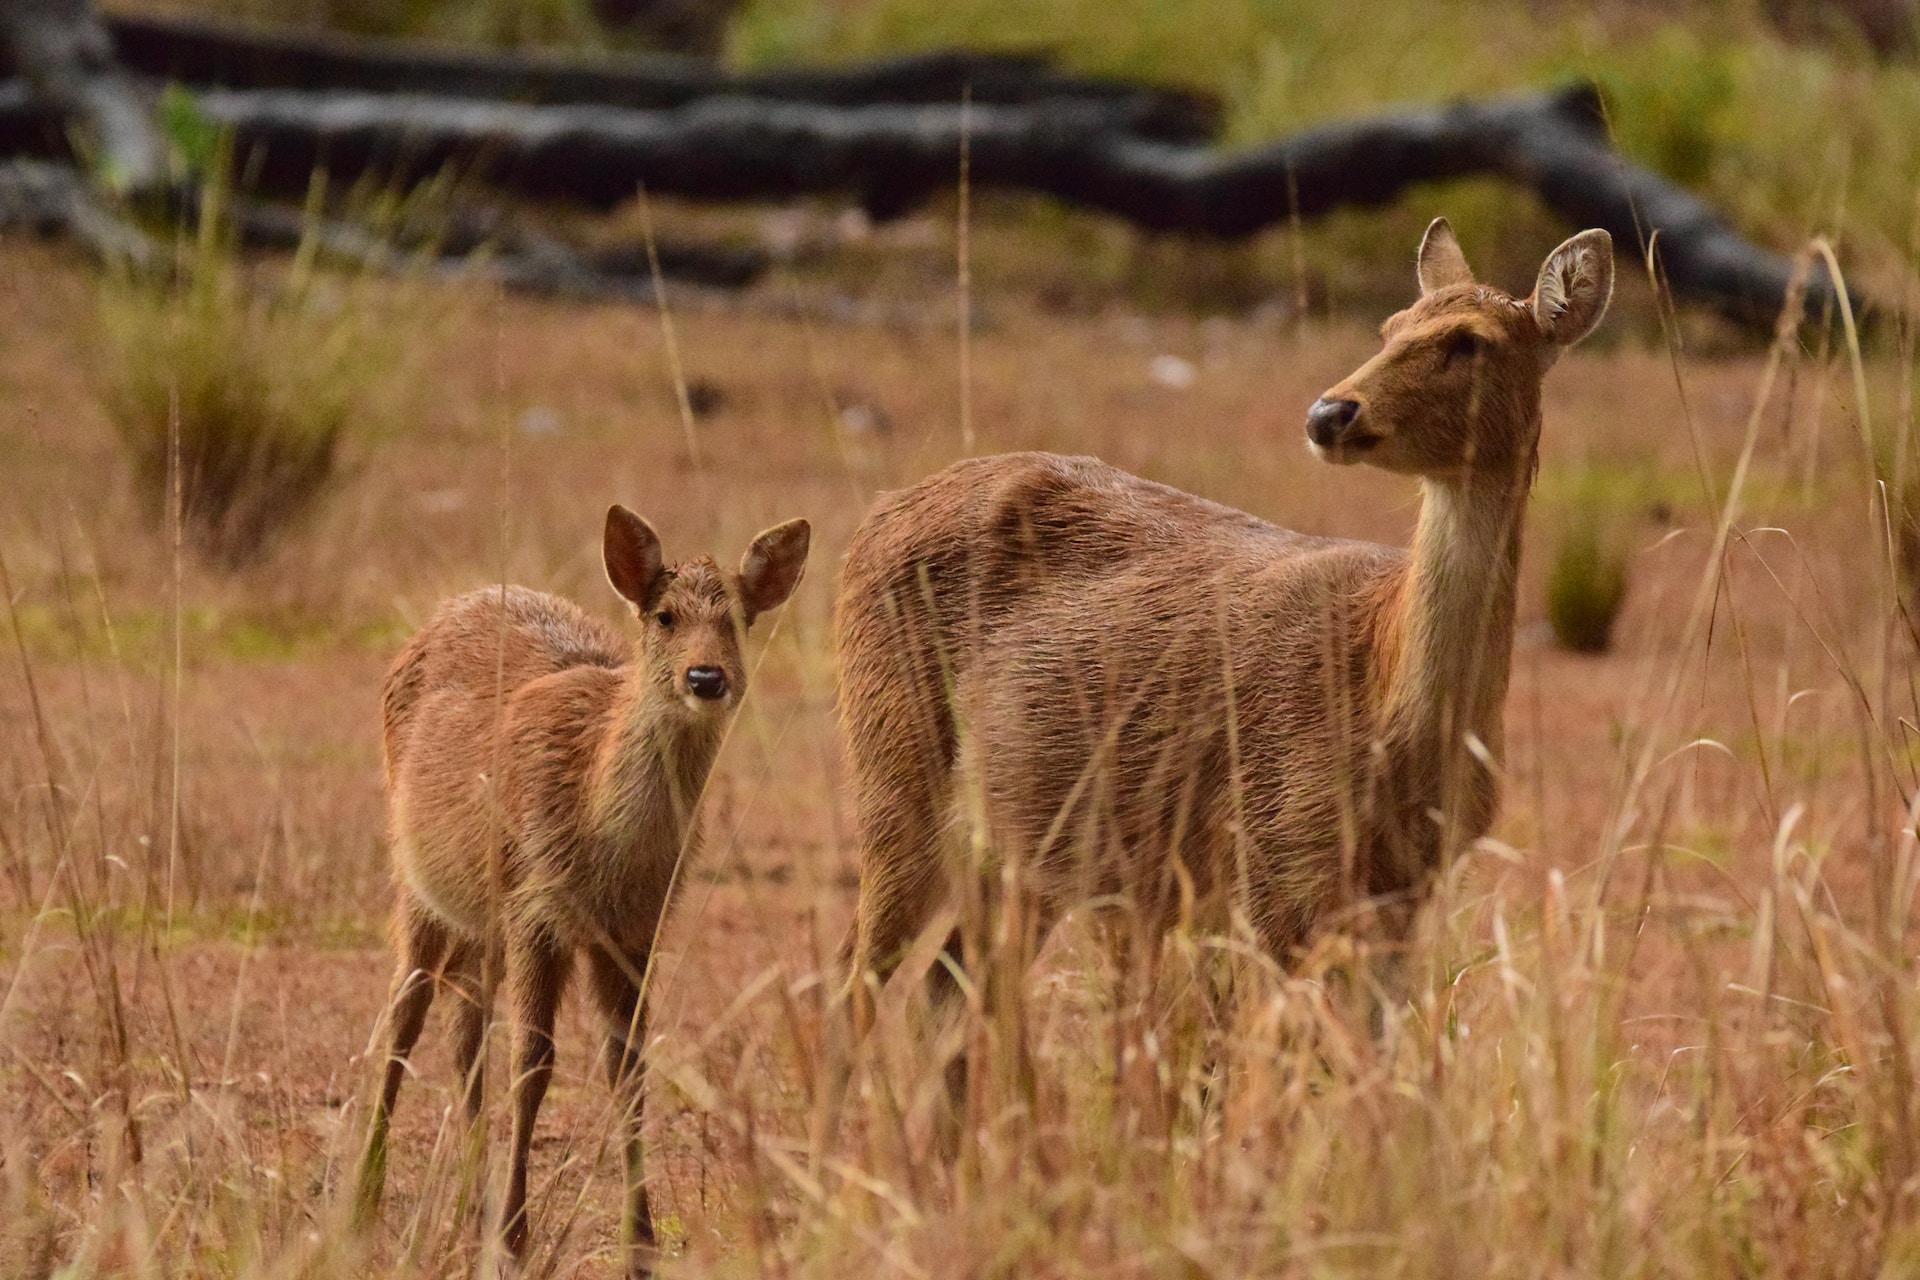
[[543, 778], [1153, 696]]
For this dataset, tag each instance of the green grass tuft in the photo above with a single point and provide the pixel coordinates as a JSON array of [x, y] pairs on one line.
[[1587, 587], [250, 389]]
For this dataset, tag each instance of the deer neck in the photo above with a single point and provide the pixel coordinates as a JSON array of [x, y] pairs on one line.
[[1449, 648], [652, 763]]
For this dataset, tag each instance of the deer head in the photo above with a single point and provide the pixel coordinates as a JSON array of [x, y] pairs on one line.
[[1455, 391], [694, 615]]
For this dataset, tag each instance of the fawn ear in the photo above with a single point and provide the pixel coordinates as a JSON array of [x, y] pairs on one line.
[[1576, 283], [771, 568], [632, 551], [1440, 262]]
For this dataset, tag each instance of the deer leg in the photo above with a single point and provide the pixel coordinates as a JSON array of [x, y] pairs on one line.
[[945, 993], [537, 970], [1010, 930], [471, 1007], [616, 980], [901, 755], [423, 943], [464, 977], [902, 881]]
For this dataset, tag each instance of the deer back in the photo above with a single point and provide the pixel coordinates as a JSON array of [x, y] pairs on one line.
[[468, 762], [1136, 672]]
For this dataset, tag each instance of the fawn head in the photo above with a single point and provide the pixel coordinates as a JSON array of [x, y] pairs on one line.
[[1456, 389], [694, 615]]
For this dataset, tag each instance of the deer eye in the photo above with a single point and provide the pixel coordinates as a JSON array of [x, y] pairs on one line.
[[665, 618], [1465, 346]]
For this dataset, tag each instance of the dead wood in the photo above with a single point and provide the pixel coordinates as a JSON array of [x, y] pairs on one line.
[[51, 199], [198, 52], [796, 140], [66, 59], [892, 158]]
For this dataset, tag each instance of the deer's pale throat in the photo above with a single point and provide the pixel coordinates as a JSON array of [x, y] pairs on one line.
[[650, 752], [1448, 683]]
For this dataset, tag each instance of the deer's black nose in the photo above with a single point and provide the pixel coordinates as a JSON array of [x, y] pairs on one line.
[[1328, 420], [706, 682]]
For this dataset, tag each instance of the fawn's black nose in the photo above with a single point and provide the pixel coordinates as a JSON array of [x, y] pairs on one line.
[[1328, 420], [706, 682]]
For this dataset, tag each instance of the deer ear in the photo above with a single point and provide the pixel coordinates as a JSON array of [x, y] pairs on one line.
[[1441, 263], [632, 552], [1576, 283], [771, 568]]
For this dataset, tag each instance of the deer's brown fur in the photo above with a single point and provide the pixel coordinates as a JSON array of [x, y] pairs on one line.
[[1160, 698], [543, 777]]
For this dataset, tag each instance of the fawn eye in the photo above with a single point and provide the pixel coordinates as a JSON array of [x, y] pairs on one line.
[[1465, 346], [665, 618]]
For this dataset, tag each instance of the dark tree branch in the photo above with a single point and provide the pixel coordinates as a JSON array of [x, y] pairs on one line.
[[236, 57], [49, 199], [894, 157], [66, 58], [53, 199]]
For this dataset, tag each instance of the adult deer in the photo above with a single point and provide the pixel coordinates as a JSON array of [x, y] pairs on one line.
[[543, 778], [1153, 697]]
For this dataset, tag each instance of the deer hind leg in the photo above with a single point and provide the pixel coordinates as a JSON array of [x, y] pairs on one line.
[[423, 943], [472, 1006], [537, 970], [903, 790], [988, 954], [616, 979], [466, 979], [900, 745], [897, 900]]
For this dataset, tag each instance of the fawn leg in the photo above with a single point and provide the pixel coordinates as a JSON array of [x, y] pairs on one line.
[[616, 979], [537, 970], [470, 1010], [422, 945]]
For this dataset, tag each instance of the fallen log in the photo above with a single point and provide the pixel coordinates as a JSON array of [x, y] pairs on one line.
[[892, 158], [197, 52], [53, 199], [67, 60], [480, 243], [77, 102], [50, 199]]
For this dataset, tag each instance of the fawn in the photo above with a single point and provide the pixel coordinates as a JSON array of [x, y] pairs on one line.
[[543, 778], [1156, 698]]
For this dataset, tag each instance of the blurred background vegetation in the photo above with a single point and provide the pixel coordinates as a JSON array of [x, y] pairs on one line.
[[1791, 116]]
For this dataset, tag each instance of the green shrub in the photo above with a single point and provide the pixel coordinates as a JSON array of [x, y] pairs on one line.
[[260, 382], [1587, 586]]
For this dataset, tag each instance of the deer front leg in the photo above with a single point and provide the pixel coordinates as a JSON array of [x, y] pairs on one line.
[[617, 978], [537, 971]]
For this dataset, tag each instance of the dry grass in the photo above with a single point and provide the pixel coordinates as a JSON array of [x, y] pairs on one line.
[[1587, 581], [1662, 1023], [236, 397]]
